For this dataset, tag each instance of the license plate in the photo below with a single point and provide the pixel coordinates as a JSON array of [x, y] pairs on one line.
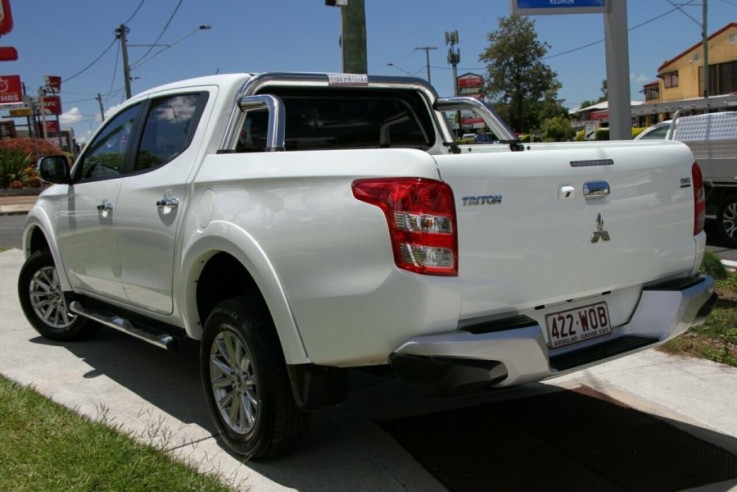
[[577, 325]]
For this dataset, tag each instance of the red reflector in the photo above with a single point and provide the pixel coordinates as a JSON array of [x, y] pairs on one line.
[[421, 217], [699, 199]]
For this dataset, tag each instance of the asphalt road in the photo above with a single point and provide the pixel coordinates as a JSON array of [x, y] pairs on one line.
[[11, 228]]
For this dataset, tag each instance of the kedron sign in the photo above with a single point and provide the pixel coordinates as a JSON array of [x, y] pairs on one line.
[[543, 7]]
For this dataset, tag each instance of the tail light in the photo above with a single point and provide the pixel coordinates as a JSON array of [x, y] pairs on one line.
[[421, 217], [699, 199]]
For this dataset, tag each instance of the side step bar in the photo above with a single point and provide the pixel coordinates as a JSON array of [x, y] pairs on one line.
[[145, 333]]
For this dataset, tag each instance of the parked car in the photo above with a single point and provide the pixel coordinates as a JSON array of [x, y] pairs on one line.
[[658, 131], [485, 138], [306, 226]]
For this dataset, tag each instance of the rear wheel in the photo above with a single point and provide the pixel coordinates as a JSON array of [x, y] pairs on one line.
[[727, 220], [44, 303], [246, 383]]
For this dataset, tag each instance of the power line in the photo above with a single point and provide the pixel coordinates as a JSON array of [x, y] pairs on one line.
[[135, 12], [67, 79], [161, 34], [594, 43]]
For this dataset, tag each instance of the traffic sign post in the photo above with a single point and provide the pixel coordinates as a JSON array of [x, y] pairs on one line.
[[617, 50]]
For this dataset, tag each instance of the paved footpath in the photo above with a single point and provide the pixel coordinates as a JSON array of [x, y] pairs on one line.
[[156, 396]]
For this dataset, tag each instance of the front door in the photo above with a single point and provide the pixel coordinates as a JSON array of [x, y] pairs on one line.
[[87, 216]]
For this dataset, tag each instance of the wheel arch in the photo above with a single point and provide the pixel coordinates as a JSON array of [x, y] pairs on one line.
[[229, 250], [38, 234]]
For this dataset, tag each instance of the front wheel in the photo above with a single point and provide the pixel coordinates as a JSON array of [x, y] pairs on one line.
[[43, 301], [727, 220], [246, 383]]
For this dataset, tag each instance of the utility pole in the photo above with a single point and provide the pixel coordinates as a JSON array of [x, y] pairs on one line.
[[617, 71], [120, 33], [705, 38], [353, 20], [427, 49], [454, 58], [102, 110]]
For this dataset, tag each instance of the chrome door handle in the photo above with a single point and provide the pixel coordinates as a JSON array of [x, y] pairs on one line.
[[105, 206], [596, 189], [171, 202]]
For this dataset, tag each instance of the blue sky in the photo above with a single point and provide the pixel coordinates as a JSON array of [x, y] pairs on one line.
[[64, 37]]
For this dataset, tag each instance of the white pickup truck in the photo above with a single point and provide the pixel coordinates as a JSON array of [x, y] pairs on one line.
[[302, 226]]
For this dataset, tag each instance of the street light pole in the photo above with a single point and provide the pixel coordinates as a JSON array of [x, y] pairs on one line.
[[427, 49]]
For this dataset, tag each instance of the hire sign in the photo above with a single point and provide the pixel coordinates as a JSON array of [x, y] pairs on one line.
[[11, 89]]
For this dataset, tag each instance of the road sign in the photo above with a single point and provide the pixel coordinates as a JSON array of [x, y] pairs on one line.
[[11, 90], [52, 104], [8, 53], [544, 7], [6, 18], [471, 85], [21, 112]]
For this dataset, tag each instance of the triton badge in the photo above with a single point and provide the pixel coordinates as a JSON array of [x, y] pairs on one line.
[[600, 232]]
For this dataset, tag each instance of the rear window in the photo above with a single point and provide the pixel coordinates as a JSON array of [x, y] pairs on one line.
[[344, 119]]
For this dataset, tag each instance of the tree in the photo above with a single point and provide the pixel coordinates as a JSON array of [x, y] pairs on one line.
[[519, 84], [604, 96]]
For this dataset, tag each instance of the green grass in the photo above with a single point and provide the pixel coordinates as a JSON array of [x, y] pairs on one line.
[[45, 446], [716, 340]]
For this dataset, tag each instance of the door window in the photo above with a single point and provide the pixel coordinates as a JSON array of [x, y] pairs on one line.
[[105, 156], [168, 129]]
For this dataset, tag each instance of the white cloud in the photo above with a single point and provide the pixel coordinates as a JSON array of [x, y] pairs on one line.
[[70, 117], [640, 79], [109, 111]]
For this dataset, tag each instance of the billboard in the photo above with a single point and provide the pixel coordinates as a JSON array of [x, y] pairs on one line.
[[11, 89], [52, 104], [6, 18], [545, 7], [53, 83], [471, 85], [8, 53]]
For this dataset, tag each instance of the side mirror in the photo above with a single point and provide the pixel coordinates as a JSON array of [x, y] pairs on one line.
[[54, 169]]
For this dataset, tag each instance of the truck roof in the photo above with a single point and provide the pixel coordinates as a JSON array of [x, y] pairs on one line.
[[228, 79]]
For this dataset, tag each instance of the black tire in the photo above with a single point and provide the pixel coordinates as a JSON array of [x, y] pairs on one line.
[[245, 379], [727, 220], [44, 303]]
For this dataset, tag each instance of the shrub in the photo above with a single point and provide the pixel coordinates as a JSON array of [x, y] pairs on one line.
[[557, 129], [34, 148], [15, 168]]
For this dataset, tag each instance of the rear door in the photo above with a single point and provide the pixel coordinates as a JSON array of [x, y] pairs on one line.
[[154, 195], [565, 222]]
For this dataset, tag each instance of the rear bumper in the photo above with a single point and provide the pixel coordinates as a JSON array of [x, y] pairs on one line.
[[459, 361]]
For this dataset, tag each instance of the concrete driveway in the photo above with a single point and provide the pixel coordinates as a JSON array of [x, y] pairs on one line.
[[156, 396]]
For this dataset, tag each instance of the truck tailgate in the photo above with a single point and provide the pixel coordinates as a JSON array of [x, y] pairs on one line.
[[528, 234]]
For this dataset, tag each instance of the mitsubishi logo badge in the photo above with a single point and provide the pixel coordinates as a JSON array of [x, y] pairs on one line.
[[600, 232]]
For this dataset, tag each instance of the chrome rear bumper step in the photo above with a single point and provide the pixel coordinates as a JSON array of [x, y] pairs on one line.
[[145, 333]]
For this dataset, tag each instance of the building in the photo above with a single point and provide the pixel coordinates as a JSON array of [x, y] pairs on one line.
[[680, 80]]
